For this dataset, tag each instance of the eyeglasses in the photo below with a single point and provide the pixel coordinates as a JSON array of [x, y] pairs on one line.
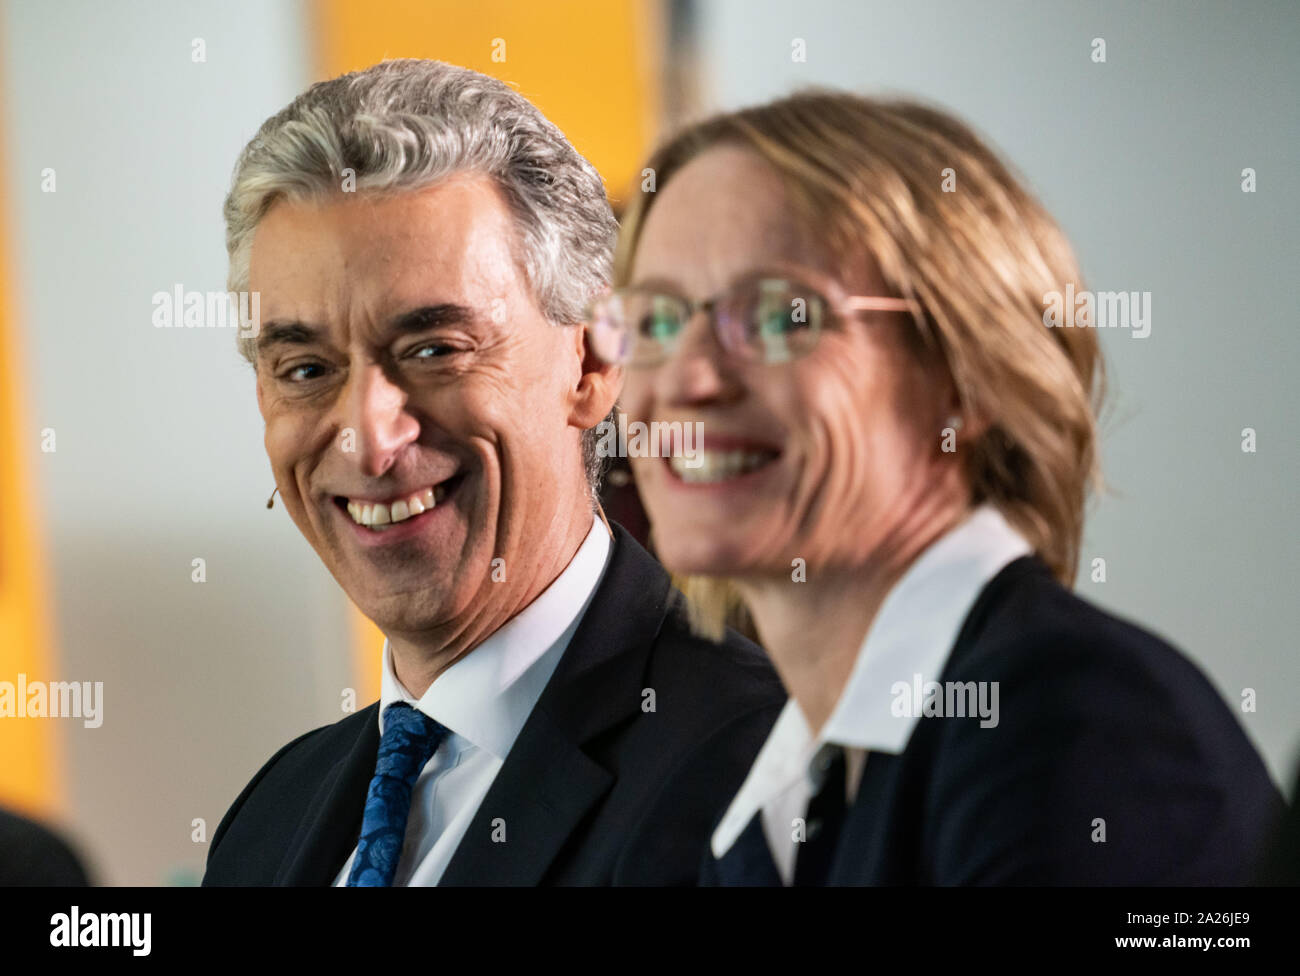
[[765, 319]]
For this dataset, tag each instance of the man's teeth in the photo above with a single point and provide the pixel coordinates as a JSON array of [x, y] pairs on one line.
[[718, 465], [375, 514]]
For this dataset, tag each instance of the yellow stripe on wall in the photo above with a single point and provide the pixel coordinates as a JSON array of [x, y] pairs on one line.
[[29, 780], [589, 65]]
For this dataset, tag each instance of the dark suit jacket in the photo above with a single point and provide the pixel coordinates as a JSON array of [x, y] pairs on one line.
[[1099, 720], [595, 791], [1281, 866]]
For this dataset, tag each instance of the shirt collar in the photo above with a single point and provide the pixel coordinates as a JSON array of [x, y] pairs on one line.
[[912, 634], [487, 695]]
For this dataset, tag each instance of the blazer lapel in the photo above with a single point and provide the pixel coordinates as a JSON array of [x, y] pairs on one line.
[[332, 823], [548, 783]]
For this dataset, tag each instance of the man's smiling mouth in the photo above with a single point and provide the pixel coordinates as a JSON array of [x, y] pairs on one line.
[[379, 516]]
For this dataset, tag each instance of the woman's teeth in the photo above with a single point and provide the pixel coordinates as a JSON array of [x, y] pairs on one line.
[[713, 466], [380, 515]]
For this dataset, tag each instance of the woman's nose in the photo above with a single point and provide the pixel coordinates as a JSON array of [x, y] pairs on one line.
[[696, 369]]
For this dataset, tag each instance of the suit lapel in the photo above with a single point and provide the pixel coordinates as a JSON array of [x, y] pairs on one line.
[[548, 783], [542, 792], [332, 823]]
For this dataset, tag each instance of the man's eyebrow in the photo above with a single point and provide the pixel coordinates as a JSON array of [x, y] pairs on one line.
[[429, 317], [291, 333], [416, 320]]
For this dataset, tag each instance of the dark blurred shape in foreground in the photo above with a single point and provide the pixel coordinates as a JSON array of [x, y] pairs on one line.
[[34, 856]]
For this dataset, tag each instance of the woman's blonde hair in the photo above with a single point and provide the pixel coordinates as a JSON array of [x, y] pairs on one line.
[[950, 227]]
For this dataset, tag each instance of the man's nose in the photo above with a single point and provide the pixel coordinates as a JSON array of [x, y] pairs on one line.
[[380, 423], [697, 370]]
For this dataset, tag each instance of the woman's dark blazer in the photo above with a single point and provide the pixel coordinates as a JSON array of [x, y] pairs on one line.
[[1114, 761]]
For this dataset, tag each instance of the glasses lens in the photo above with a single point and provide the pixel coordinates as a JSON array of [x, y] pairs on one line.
[[606, 327], [653, 322], [772, 319], [635, 327]]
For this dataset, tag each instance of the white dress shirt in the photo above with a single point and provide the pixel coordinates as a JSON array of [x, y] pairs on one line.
[[909, 640], [484, 699]]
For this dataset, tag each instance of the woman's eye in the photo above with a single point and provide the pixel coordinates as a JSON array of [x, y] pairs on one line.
[[659, 326], [788, 311], [661, 320], [779, 317]]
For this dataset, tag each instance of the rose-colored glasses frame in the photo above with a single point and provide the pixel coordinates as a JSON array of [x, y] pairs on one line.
[[839, 306]]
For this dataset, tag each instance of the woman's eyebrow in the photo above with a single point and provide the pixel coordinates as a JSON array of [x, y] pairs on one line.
[[660, 285], [773, 269]]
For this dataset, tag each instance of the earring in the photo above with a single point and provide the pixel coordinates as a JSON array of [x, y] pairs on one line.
[[271, 501], [955, 422]]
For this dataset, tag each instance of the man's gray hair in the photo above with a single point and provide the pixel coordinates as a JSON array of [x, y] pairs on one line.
[[405, 124]]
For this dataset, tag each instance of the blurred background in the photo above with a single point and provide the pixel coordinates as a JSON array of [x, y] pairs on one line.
[[128, 452]]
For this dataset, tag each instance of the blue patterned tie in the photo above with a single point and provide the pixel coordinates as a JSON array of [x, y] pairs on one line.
[[410, 738]]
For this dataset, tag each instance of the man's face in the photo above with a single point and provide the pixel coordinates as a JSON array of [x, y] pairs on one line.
[[403, 364]]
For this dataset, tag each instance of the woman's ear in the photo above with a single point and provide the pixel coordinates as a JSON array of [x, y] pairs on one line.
[[964, 423], [959, 423], [975, 416]]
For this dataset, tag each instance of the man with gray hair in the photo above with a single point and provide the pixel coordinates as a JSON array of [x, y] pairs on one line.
[[424, 244]]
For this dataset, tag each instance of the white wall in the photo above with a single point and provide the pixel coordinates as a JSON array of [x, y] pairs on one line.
[[1140, 160], [159, 449]]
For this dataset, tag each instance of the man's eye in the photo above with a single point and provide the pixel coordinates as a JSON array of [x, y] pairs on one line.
[[302, 372], [431, 350]]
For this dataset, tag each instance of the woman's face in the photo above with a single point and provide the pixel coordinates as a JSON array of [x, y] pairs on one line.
[[828, 457]]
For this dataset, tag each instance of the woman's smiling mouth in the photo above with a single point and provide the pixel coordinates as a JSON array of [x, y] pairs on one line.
[[710, 467]]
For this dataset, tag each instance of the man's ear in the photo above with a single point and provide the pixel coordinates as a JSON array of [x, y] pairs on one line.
[[599, 384]]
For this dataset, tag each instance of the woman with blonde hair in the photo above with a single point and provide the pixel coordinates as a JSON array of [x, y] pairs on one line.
[[847, 295]]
